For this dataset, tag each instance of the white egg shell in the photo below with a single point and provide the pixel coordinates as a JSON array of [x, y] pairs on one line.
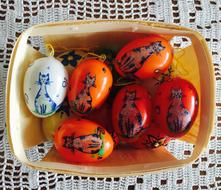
[[45, 86]]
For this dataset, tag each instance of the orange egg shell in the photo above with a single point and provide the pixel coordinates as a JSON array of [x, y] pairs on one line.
[[83, 141], [152, 138], [131, 112], [144, 58], [90, 84], [175, 107]]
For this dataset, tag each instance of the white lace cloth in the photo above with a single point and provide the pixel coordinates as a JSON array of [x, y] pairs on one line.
[[203, 16]]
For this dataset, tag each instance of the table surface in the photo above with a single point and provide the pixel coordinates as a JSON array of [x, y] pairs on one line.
[[203, 16]]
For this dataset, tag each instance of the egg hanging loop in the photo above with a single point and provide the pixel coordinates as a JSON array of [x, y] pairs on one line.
[[49, 50], [101, 57]]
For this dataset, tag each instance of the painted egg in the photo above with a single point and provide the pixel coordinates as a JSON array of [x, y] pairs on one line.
[[102, 116], [51, 123], [81, 140], [144, 58], [131, 112], [152, 138], [90, 84], [175, 107], [45, 86]]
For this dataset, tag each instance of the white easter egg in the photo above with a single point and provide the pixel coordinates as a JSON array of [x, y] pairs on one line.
[[45, 86]]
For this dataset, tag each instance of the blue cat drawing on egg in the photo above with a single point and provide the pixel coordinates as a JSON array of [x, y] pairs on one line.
[[44, 105], [45, 86]]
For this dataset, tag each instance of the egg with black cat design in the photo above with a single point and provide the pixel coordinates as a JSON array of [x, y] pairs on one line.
[[175, 107], [131, 112], [90, 85], [144, 58], [82, 141], [45, 86]]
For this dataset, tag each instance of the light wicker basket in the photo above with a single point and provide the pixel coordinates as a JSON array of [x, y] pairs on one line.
[[24, 130]]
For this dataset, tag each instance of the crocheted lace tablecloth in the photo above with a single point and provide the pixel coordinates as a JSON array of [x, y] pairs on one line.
[[203, 16]]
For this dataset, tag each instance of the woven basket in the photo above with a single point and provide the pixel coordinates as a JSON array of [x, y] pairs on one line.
[[24, 130]]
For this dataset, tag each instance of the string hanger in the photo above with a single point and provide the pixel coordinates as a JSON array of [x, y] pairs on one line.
[[49, 50], [101, 57]]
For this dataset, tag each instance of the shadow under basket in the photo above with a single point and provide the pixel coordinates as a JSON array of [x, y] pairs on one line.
[[192, 62]]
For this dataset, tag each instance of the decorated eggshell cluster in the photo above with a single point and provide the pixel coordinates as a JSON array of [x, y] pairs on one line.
[[128, 116], [45, 86]]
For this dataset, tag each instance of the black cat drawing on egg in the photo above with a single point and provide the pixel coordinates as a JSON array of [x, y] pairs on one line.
[[144, 58], [131, 112], [176, 106]]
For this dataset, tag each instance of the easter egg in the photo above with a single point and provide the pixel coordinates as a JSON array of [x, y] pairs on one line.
[[152, 138], [51, 123], [131, 112], [175, 107], [45, 86], [90, 84], [144, 58], [83, 141]]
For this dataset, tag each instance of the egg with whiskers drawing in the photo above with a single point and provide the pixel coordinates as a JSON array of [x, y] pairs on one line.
[[45, 86]]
